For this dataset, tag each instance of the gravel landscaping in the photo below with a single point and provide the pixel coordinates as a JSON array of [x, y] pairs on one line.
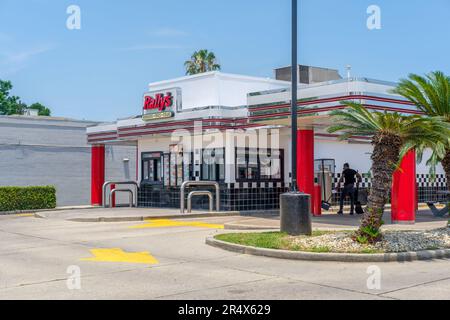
[[393, 241], [342, 242]]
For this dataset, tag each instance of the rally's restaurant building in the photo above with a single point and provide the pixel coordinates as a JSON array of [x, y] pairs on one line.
[[235, 130]]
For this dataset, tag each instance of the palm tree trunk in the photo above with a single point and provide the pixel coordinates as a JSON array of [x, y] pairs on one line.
[[446, 165], [384, 158]]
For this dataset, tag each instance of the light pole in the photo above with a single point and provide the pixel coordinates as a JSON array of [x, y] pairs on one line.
[[294, 81], [295, 207]]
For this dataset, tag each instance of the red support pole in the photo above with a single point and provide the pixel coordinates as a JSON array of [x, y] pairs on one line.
[[404, 191], [97, 174], [305, 162], [317, 200]]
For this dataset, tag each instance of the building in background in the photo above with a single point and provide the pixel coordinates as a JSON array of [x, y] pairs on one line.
[[308, 74], [36, 151]]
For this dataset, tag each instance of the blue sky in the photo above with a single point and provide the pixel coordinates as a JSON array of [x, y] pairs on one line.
[[101, 71]]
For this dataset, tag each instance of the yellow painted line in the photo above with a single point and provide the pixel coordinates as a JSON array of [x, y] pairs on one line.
[[166, 223], [25, 215], [118, 255]]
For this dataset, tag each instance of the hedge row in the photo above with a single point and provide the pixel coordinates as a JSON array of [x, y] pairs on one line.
[[27, 198]]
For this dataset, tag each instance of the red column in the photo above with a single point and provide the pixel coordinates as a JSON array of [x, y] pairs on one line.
[[97, 174], [305, 162], [404, 193], [317, 211]]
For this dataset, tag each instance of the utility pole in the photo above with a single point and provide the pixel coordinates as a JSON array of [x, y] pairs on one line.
[[294, 85], [295, 207]]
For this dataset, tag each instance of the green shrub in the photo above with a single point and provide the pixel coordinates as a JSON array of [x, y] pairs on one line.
[[27, 198]]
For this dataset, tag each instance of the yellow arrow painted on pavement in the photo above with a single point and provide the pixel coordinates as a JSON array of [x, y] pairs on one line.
[[118, 255], [164, 223]]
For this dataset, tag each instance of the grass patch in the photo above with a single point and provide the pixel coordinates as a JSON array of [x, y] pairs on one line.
[[320, 250], [267, 240], [281, 241], [270, 240]]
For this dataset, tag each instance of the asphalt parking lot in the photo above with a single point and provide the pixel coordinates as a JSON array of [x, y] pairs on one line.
[[168, 259]]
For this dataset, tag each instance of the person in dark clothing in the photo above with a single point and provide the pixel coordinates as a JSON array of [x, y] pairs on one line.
[[349, 177]]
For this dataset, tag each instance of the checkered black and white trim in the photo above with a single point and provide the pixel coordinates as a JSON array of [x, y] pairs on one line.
[[426, 181], [423, 181], [259, 185], [366, 180]]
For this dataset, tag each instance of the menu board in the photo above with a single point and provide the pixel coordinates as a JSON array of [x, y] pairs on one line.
[[179, 169], [173, 170], [166, 172], [151, 170], [187, 165]]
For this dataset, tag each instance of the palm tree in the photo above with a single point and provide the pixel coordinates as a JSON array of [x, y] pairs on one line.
[[431, 94], [392, 134], [200, 62]]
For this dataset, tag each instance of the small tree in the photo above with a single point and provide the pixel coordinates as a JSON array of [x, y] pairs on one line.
[[11, 105], [392, 135], [431, 94], [42, 110], [201, 61]]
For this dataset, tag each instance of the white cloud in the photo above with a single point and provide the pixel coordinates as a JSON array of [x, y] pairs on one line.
[[145, 47], [169, 32], [23, 56], [13, 62]]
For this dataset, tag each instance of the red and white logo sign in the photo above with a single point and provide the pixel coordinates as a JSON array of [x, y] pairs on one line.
[[161, 104], [159, 101]]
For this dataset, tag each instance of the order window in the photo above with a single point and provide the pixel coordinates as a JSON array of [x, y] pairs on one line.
[[259, 164], [213, 165]]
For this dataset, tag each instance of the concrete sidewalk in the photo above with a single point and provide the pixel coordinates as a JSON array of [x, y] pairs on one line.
[[125, 214], [328, 221]]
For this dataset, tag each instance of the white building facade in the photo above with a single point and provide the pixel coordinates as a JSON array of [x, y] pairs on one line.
[[235, 130]]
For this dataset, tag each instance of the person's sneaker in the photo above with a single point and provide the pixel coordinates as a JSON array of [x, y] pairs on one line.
[[352, 213], [340, 213]]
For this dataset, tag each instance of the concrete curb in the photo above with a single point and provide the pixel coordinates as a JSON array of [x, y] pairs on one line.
[[11, 213], [231, 226], [336, 257], [41, 215]]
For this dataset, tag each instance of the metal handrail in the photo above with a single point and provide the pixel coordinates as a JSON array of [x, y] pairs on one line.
[[114, 191], [200, 193], [199, 183], [108, 183]]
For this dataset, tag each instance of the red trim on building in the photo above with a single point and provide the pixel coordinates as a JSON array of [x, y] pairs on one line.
[[97, 174], [328, 100], [190, 129], [340, 107], [242, 123]]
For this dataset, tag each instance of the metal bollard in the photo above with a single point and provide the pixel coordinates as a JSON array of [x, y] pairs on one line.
[[200, 193]]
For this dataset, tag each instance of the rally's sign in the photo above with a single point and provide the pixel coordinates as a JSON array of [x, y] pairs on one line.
[[161, 104]]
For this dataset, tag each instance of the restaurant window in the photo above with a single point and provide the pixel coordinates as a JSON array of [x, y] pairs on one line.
[[213, 165], [259, 165], [152, 169]]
